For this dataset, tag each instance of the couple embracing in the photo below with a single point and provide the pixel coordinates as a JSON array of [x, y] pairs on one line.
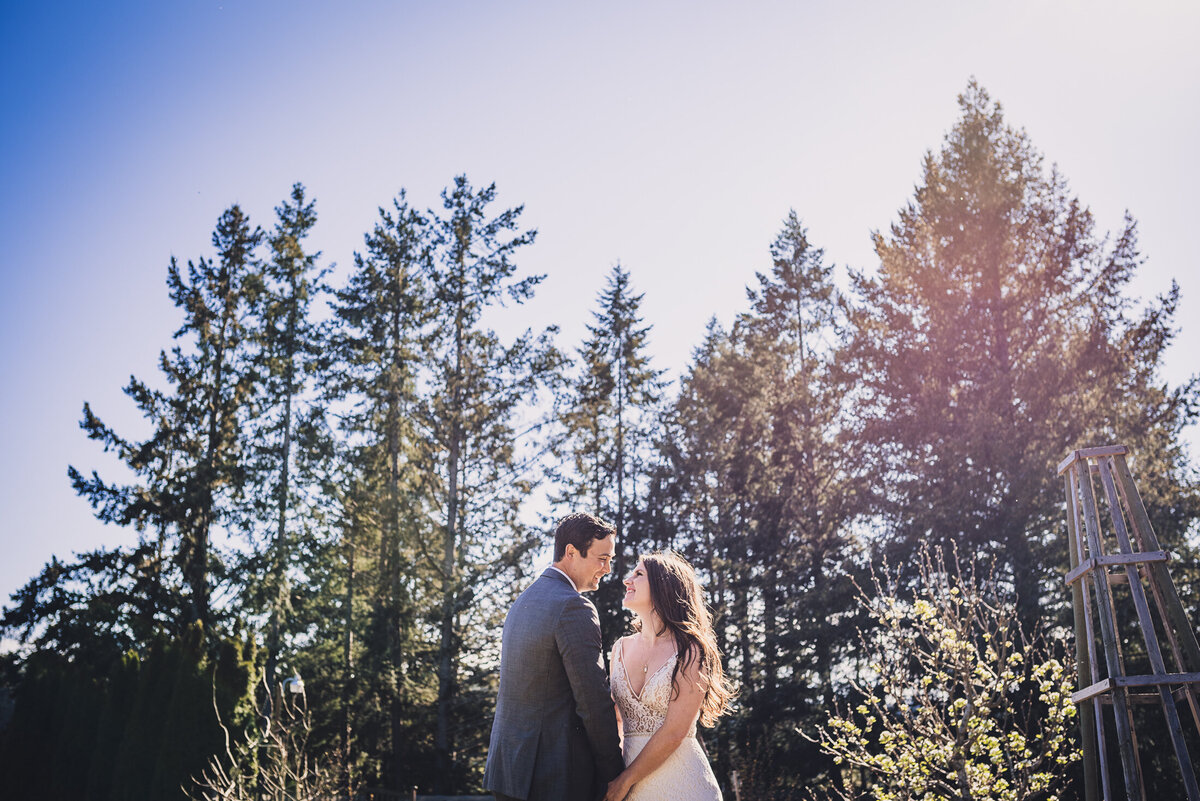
[[565, 732]]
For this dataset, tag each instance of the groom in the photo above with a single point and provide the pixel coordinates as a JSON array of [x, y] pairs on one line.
[[555, 733]]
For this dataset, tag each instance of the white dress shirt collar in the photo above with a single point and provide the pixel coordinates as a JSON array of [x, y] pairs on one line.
[[568, 578]]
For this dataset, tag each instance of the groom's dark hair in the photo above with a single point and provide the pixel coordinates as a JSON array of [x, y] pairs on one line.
[[581, 530]]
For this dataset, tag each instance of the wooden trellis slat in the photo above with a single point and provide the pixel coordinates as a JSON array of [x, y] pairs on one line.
[[1140, 562]]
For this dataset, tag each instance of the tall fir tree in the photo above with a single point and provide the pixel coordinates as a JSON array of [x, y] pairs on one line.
[[217, 298], [706, 488], [191, 466], [479, 394], [610, 417], [371, 382], [129, 635], [767, 494], [283, 503], [809, 490], [996, 337]]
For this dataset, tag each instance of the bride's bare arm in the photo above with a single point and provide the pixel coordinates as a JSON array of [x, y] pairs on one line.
[[682, 712]]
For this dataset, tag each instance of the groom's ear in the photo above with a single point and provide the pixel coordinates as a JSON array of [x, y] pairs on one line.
[[571, 549]]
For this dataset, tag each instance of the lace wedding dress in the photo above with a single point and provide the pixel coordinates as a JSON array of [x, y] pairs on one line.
[[685, 775]]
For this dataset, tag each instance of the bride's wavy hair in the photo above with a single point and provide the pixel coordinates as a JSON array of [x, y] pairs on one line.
[[676, 597]]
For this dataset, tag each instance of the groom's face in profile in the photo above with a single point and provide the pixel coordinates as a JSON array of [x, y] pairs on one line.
[[587, 570]]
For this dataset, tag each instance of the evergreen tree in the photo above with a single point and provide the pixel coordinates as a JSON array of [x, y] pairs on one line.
[[94, 608], [190, 467], [97, 623], [704, 468], [808, 491], [610, 418], [767, 494], [996, 338], [479, 388], [135, 727], [282, 500], [371, 381], [214, 381]]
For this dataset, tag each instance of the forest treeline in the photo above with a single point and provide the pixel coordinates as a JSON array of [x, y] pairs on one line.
[[339, 475]]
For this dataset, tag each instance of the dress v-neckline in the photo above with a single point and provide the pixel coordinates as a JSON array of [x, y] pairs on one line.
[[646, 683]]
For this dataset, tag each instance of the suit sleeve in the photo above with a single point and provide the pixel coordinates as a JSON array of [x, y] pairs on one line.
[[579, 643]]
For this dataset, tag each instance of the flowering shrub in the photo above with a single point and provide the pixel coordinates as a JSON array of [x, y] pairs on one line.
[[957, 702]]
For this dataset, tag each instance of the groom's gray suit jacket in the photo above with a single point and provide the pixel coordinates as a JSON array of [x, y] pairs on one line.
[[555, 733]]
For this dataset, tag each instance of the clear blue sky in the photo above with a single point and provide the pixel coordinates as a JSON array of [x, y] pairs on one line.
[[672, 136]]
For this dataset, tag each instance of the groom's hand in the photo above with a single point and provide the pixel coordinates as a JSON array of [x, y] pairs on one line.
[[618, 788]]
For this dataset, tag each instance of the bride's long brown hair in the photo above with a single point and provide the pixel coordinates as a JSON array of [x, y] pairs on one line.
[[676, 597]]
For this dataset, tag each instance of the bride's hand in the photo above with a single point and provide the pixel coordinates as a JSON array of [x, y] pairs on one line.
[[618, 788]]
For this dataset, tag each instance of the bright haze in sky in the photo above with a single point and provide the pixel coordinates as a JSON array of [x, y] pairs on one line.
[[672, 137]]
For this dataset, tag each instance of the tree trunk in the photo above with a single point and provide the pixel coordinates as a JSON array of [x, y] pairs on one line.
[[446, 647], [280, 558], [391, 554], [348, 666]]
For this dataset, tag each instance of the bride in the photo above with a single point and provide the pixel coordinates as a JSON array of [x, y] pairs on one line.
[[666, 676]]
